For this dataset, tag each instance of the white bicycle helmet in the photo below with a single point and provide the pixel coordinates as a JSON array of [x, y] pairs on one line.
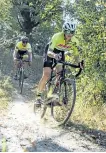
[[71, 26], [25, 39]]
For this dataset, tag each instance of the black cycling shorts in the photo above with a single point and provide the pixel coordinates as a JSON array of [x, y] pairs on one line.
[[49, 62], [21, 53]]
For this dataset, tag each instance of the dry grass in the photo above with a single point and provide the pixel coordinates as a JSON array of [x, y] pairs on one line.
[[5, 93], [92, 116], [3, 99]]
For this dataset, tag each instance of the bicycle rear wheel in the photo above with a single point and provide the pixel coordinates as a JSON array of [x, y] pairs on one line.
[[67, 98], [21, 79]]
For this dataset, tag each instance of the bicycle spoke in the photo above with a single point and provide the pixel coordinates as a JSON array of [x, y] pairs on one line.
[[67, 101]]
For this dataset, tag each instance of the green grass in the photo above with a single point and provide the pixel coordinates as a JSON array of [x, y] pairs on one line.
[[5, 92], [4, 145], [4, 98]]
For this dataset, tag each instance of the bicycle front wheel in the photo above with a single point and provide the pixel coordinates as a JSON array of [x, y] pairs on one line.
[[21, 79], [67, 98]]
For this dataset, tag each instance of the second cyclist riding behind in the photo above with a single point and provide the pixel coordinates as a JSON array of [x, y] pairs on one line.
[[22, 51]]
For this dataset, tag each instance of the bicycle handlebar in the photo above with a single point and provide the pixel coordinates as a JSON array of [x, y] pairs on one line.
[[69, 64], [72, 65], [23, 60], [79, 72]]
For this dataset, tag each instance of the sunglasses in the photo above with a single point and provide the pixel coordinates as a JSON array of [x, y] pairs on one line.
[[24, 42], [69, 32]]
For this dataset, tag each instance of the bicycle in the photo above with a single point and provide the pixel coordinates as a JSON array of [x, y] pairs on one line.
[[62, 108], [20, 73]]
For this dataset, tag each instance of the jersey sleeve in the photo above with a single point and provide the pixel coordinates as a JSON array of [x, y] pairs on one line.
[[29, 48], [53, 43]]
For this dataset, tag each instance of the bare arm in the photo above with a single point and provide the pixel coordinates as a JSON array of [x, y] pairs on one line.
[[15, 53], [51, 54], [55, 56], [30, 56], [30, 53]]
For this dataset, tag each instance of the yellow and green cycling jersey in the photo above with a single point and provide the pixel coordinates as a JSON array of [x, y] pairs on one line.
[[58, 42], [19, 47]]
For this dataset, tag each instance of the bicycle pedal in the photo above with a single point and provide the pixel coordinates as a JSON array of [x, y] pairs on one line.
[[51, 99], [37, 105], [56, 104], [53, 102]]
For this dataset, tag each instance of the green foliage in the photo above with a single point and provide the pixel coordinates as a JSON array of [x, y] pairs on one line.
[[42, 34], [91, 86], [5, 6], [5, 83], [39, 20], [93, 42], [4, 145], [34, 13], [5, 92]]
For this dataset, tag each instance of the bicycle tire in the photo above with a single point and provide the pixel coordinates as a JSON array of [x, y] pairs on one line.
[[43, 111], [21, 79], [67, 91], [44, 97]]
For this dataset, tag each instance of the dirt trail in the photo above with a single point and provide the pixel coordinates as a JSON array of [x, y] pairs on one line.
[[22, 131]]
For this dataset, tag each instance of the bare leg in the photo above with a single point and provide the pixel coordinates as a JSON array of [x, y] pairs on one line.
[[42, 83], [44, 79]]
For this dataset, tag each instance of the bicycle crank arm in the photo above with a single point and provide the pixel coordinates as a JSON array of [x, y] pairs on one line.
[[52, 101]]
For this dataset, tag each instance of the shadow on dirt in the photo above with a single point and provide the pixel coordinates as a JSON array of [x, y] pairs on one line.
[[46, 145], [97, 136]]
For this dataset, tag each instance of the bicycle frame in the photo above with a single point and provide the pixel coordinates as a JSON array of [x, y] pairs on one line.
[[62, 73], [21, 63], [65, 88]]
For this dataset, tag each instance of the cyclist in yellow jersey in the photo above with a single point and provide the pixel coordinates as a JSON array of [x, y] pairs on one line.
[[55, 50], [22, 50]]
